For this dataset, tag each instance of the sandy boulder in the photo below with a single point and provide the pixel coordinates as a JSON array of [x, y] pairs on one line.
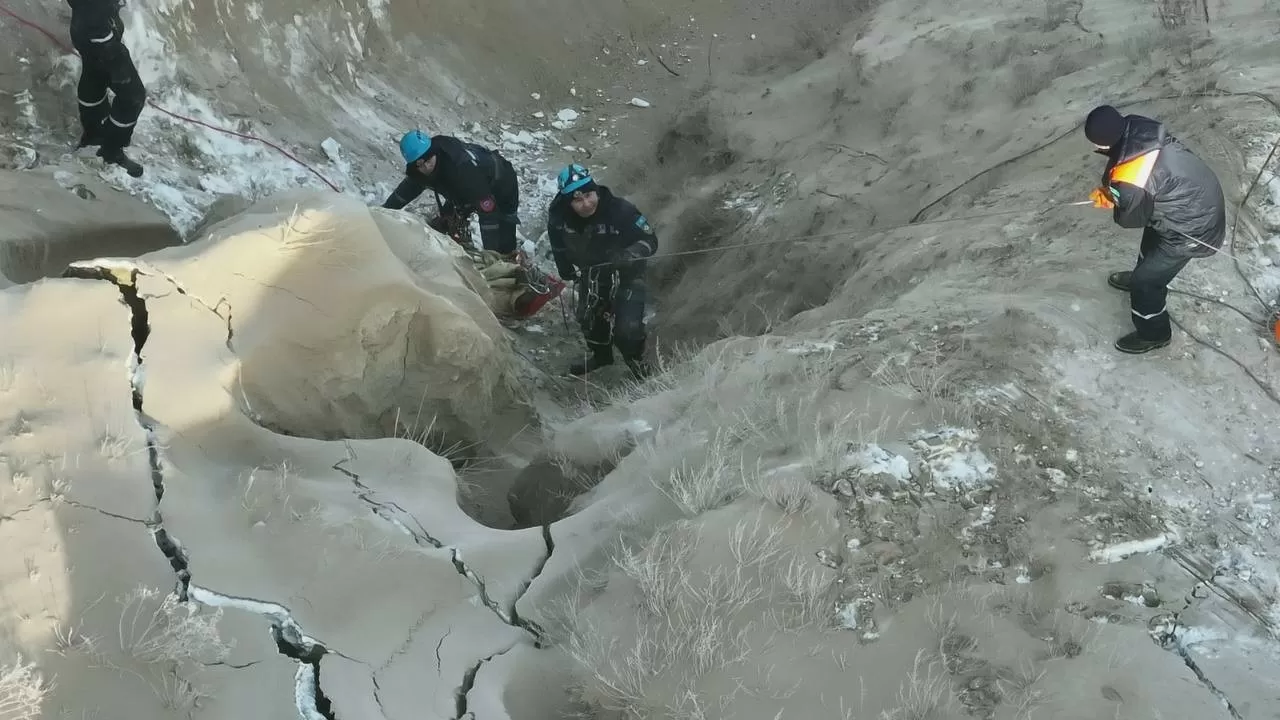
[[347, 321]]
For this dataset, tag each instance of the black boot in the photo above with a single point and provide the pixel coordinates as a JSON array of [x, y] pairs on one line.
[[116, 156], [1134, 344], [595, 361], [1120, 280]]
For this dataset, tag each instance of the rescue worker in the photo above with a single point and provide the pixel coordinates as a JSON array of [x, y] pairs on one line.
[[470, 178], [601, 240], [1152, 181], [98, 36]]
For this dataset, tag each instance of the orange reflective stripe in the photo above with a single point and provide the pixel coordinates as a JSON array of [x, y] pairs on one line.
[[1136, 171]]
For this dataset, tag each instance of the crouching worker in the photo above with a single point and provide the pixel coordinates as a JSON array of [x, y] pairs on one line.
[[601, 240], [98, 36], [470, 178], [1152, 181]]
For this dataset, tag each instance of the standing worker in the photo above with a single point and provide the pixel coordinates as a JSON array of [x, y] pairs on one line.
[[470, 178], [602, 241], [1152, 181], [98, 36]]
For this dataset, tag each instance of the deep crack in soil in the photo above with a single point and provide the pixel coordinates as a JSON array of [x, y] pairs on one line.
[[469, 681], [289, 639], [389, 510]]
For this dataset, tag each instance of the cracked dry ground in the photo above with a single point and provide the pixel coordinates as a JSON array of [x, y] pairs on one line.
[[360, 588]]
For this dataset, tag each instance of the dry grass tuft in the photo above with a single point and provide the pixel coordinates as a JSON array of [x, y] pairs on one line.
[[22, 691], [170, 630], [923, 693]]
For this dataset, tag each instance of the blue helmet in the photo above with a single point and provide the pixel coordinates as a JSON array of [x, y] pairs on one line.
[[414, 145], [572, 177]]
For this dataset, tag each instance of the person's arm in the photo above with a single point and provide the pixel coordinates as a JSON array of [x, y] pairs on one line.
[[639, 240], [559, 250], [406, 192], [1134, 205], [1128, 183]]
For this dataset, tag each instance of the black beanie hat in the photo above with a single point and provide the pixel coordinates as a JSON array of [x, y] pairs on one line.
[[1104, 126]]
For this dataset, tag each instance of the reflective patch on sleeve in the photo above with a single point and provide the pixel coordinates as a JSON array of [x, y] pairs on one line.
[[1137, 171], [643, 224]]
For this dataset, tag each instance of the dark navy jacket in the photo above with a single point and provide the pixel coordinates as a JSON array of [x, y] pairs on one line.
[[1158, 182], [617, 235]]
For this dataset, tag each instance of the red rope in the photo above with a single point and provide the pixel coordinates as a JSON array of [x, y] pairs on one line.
[[243, 136]]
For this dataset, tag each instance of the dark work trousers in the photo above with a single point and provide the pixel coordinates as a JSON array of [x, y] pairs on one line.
[[105, 64], [498, 228], [1149, 286], [611, 312]]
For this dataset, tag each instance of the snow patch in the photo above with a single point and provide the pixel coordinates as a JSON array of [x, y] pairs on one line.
[[953, 460], [812, 348], [873, 460], [1119, 551]]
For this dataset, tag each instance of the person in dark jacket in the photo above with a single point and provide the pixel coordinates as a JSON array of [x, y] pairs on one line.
[[1152, 181], [601, 240], [97, 34], [470, 178]]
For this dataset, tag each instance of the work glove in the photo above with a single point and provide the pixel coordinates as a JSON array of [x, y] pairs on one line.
[[629, 258], [1103, 198]]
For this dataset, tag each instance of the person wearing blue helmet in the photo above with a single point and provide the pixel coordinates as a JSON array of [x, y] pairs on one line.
[[467, 178], [602, 241]]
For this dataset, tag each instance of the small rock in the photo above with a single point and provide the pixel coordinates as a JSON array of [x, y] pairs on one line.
[[18, 157], [828, 558], [639, 102], [567, 115], [535, 96], [843, 487], [331, 149]]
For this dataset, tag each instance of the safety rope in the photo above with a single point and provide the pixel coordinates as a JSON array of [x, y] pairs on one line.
[[177, 116], [849, 232]]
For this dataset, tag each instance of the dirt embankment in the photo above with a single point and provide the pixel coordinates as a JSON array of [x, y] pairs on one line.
[[925, 470]]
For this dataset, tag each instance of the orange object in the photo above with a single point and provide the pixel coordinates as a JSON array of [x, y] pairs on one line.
[[1101, 199], [1275, 329]]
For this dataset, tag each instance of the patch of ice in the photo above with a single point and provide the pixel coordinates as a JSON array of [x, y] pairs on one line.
[[953, 458], [1119, 551], [28, 109], [847, 616], [872, 459], [812, 348], [378, 10], [333, 150]]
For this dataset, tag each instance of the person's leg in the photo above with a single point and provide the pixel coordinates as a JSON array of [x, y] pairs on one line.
[[91, 96], [628, 325], [1148, 292], [593, 309], [1120, 280], [130, 98], [498, 229], [91, 91]]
